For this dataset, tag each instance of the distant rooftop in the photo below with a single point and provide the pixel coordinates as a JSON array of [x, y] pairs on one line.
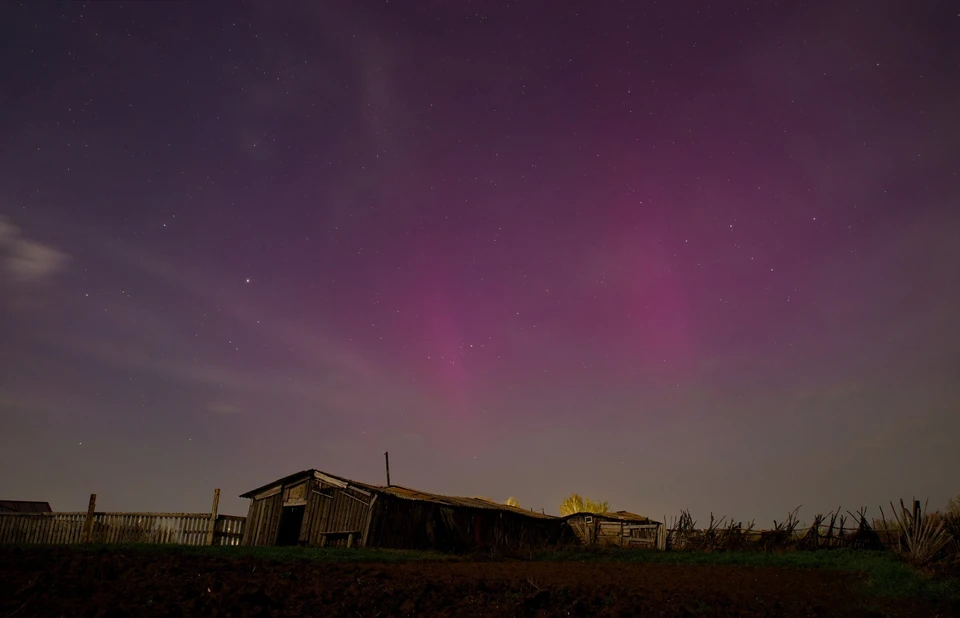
[[24, 506], [619, 516]]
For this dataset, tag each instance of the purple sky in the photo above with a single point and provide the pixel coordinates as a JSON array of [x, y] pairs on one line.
[[655, 253]]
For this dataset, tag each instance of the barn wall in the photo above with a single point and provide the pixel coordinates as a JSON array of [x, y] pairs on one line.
[[505, 529], [263, 518], [609, 532], [585, 532], [404, 524], [640, 535], [249, 526], [603, 531], [408, 524], [334, 512], [626, 534]]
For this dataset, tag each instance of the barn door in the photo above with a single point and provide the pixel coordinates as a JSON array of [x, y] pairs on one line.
[[291, 519]]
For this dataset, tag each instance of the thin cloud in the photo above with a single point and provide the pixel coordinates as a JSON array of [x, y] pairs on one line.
[[316, 348], [8, 231], [26, 260], [223, 409], [309, 386]]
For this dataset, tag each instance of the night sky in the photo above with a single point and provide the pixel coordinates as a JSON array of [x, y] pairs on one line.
[[665, 254]]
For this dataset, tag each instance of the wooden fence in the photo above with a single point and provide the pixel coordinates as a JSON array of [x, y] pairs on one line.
[[228, 530], [98, 527]]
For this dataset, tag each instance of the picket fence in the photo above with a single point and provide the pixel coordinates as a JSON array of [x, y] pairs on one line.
[[99, 527]]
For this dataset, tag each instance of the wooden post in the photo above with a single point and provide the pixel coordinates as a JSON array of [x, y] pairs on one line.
[[386, 457], [212, 524], [87, 533]]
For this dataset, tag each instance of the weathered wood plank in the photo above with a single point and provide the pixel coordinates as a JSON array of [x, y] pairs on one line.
[[329, 480], [147, 514], [88, 522], [354, 498], [211, 526], [268, 493], [369, 521]]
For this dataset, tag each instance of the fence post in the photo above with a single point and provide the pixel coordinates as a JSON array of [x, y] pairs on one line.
[[87, 533], [211, 526]]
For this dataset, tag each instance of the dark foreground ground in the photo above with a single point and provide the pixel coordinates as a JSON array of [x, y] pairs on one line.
[[134, 582]]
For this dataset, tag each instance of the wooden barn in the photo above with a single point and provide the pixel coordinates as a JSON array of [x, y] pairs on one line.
[[620, 528], [314, 508]]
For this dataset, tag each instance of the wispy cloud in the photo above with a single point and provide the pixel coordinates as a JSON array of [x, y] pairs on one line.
[[223, 409], [309, 368], [312, 344], [25, 260]]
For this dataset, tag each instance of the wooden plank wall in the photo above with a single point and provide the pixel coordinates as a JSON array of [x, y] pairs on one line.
[[602, 531], [583, 530], [507, 529], [153, 528], [626, 534], [333, 513], [262, 521], [407, 524], [403, 524]]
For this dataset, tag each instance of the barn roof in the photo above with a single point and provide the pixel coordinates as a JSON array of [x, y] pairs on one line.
[[475, 503], [405, 493], [296, 476], [24, 506], [619, 516]]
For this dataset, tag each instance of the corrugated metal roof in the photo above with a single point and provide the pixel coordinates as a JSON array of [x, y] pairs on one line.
[[24, 506], [628, 516], [476, 503]]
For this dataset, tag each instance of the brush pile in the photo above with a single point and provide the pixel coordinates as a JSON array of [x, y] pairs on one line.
[[830, 531]]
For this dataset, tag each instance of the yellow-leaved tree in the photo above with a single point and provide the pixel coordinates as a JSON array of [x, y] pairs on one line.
[[511, 501], [578, 504]]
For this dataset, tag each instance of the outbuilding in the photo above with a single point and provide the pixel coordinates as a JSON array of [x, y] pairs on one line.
[[620, 528], [315, 508]]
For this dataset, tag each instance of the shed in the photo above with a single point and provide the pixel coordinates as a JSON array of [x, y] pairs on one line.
[[24, 506], [315, 508], [620, 528]]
